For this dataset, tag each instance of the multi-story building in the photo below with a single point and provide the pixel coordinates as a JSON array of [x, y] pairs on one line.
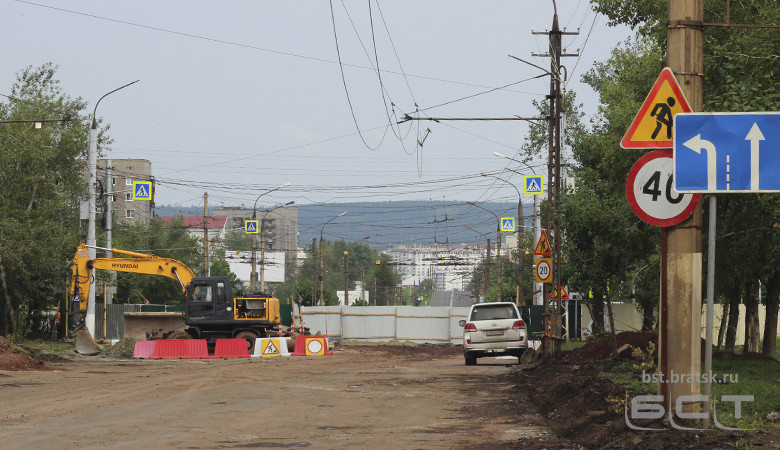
[[449, 266], [123, 173], [279, 226]]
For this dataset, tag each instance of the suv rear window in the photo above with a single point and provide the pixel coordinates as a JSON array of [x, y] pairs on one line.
[[492, 312]]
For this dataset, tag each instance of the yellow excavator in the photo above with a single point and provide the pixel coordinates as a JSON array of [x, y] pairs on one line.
[[210, 309]]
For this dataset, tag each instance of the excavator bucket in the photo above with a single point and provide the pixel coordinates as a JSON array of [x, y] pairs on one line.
[[85, 345]]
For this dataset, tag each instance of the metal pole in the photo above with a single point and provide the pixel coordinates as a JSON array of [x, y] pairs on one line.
[[206, 234], [710, 306]]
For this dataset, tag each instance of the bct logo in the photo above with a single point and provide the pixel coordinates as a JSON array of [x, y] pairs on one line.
[[651, 407]]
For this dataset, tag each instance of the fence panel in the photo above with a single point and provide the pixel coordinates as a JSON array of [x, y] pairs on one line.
[[386, 323]]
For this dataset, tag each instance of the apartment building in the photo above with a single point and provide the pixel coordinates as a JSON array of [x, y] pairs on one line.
[[122, 175], [449, 266]]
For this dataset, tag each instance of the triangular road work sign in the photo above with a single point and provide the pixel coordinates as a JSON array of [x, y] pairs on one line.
[[564, 293], [271, 349], [543, 246], [652, 126]]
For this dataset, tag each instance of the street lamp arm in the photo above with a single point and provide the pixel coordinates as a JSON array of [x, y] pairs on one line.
[[94, 112], [254, 208], [501, 155]]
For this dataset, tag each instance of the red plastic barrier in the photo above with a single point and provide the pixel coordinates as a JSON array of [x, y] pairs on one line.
[[143, 349], [231, 348], [311, 346], [196, 349], [170, 349]]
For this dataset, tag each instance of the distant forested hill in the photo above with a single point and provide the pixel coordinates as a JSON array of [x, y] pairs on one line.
[[402, 222]]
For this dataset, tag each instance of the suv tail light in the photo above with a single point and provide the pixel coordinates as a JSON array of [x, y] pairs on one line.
[[470, 327], [518, 324]]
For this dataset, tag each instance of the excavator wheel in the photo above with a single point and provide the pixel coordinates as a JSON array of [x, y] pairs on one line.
[[179, 335], [250, 338]]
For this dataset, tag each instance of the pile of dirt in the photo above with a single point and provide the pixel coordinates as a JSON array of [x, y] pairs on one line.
[[122, 349], [602, 349], [13, 358], [587, 409], [412, 351]]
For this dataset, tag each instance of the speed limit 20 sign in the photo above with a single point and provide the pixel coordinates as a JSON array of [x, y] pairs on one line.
[[651, 194], [543, 270]]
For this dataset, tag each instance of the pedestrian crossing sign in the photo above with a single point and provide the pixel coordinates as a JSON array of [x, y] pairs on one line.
[[250, 226], [142, 190], [507, 224], [533, 184]]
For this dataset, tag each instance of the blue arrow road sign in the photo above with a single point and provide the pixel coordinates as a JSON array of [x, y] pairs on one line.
[[727, 152]]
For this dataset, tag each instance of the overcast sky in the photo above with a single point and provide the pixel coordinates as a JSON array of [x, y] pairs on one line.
[[238, 97]]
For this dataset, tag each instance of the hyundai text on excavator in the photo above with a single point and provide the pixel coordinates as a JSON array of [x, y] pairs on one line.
[[210, 309]]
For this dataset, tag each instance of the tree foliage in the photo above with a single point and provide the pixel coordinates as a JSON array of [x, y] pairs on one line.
[[41, 183]]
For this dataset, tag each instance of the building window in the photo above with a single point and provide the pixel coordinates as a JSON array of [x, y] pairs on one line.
[[128, 197], [129, 213], [113, 181], [128, 181]]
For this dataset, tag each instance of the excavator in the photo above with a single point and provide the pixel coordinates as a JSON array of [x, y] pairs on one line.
[[210, 312]]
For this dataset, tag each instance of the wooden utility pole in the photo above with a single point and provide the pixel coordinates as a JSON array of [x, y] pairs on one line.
[[679, 333], [551, 319]]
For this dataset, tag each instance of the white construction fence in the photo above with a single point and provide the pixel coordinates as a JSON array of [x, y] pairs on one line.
[[422, 324]]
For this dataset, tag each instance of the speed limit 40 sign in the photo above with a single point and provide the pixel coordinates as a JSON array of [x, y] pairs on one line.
[[651, 194]]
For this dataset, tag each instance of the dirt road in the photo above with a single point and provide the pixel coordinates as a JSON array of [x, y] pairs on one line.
[[361, 397]]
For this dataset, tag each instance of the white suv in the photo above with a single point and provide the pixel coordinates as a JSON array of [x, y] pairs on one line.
[[493, 329]]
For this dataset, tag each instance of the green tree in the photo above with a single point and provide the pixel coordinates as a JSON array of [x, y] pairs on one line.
[[168, 240], [41, 182], [740, 74]]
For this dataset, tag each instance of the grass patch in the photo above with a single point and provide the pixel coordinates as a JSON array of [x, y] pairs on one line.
[[571, 345], [628, 376], [758, 378], [54, 346]]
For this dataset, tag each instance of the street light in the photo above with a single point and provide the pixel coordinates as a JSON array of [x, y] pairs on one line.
[[538, 291], [262, 244], [498, 247], [486, 270], [322, 286], [92, 168], [253, 277], [520, 234]]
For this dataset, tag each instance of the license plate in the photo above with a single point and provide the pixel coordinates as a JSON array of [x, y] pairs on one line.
[[494, 333]]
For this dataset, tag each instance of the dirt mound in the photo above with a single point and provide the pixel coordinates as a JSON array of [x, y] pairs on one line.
[[122, 349], [587, 409], [13, 358], [602, 349], [411, 351]]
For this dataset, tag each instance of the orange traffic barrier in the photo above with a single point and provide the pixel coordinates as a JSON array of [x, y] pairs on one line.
[[143, 349], [196, 349], [311, 346], [169, 349], [231, 348]]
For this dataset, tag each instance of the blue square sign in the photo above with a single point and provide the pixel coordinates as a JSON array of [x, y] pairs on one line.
[[727, 152], [142, 190]]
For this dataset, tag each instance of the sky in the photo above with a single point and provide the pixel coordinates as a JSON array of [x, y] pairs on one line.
[[237, 98]]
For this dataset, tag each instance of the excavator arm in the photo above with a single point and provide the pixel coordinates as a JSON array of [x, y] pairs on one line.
[[81, 280]]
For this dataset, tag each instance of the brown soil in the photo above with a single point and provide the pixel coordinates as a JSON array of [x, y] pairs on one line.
[[364, 396], [13, 357]]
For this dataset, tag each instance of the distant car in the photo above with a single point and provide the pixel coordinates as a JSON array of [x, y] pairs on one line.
[[493, 329]]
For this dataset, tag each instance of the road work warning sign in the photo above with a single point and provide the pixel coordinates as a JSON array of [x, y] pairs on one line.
[[652, 126]]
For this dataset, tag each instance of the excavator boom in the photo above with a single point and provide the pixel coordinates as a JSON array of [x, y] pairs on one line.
[[140, 263]]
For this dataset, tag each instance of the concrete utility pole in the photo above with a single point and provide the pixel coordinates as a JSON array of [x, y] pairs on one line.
[[111, 290], [681, 258], [91, 207], [206, 234]]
